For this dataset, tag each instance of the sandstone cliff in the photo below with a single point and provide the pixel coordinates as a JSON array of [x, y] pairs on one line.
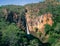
[[36, 24]]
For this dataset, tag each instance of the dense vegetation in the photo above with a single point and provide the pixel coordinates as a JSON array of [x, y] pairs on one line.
[[11, 35]]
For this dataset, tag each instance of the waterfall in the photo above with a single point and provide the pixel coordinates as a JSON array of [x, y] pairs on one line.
[[27, 30]]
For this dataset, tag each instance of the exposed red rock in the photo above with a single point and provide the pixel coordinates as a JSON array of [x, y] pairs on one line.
[[36, 23]]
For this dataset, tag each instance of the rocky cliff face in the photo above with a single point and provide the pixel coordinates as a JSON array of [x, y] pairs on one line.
[[13, 17], [36, 24]]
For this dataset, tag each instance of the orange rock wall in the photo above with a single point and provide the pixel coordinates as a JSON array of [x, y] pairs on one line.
[[38, 21]]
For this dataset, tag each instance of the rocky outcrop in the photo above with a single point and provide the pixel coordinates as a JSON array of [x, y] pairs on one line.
[[13, 17], [36, 24]]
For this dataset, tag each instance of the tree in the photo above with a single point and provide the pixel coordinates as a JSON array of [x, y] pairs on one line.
[[34, 42], [10, 35], [47, 28]]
